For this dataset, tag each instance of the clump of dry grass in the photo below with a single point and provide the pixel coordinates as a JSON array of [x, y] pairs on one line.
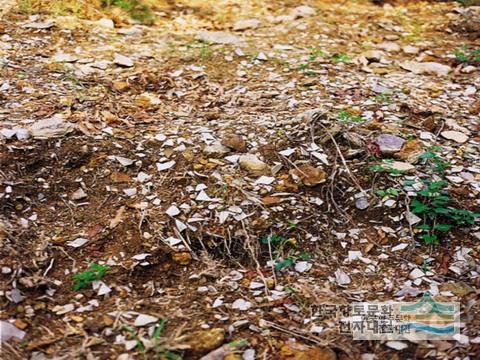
[[140, 10], [81, 8]]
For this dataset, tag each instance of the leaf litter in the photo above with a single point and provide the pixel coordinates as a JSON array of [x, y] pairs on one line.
[[227, 178]]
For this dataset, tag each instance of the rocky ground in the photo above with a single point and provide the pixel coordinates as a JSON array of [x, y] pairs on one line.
[[229, 168]]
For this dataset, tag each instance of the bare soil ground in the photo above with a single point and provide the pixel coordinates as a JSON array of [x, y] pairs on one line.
[[134, 177]]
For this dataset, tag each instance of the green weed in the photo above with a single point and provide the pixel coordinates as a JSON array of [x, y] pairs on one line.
[[464, 54], [340, 57], [135, 8], [433, 202], [95, 272], [158, 349], [285, 253], [349, 118]]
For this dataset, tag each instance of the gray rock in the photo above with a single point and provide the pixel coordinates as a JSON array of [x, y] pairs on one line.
[[429, 68], [362, 203], [216, 150], [401, 167], [252, 164], [218, 37], [456, 136], [389, 46], [55, 126], [412, 50], [246, 24], [389, 144], [123, 60], [303, 11], [373, 55]]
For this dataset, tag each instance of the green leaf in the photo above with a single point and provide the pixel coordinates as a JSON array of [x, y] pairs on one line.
[[427, 155], [305, 256], [442, 227], [430, 239], [287, 262], [418, 207], [171, 355], [159, 328]]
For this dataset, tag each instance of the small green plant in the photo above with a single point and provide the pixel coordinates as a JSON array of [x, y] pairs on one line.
[[434, 163], [285, 252], [388, 192], [292, 225], [94, 272], [383, 99], [349, 118], [433, 202], [435, 207], [135, 8], [312, 58], [466, 2], [464, 54], [139, 344], [290, 259], [341, 57], [156, 341]]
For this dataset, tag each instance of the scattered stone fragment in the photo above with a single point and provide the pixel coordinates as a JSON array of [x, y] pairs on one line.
[[40, 25], [106, 23], [218, 37], [252, 164], [308, 175], [216, 150], [122, 60], [246, 24], [183, 258], [411, 218], [469, 69], [79, 194], [77, 242], [429, 68], [373, 55], [412, 50], [400, 166], [241, 304], [411, 151], [62, 57], [362, 203], [408, 291], [456, 136], [389, 144], [302, 266], [235, 142], [389, 46], [342, 278], [205, 340], [397, 345], [53, 127], [120, 86], [144, 319], [8, 331], [457, 288], [303, 11], [416, 273]]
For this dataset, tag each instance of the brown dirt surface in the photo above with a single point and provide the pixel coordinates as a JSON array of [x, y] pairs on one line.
[[126, 178]]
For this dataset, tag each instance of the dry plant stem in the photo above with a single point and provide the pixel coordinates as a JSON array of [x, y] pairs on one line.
[[253, 253], [272, 261], [344, 162]]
